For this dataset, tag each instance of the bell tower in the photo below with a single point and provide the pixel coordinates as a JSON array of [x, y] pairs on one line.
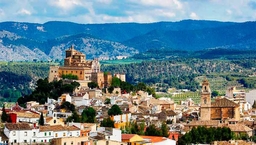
[[205, 109]]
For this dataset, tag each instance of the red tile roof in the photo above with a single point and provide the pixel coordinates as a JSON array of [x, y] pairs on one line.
[[127, 136], [154, 139]]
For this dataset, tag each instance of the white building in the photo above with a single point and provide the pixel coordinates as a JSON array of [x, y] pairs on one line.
[[24, 133], [19, 132]]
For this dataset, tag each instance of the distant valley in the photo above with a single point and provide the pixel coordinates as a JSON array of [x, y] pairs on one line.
[[48, 41]]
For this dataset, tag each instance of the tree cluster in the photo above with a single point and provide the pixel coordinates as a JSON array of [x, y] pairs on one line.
[[127, 87], [46, 90], [115, 110], [88, 116], [151, 130], [203, 135]]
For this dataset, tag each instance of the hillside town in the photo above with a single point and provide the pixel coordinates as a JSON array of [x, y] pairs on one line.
[[49, 123]]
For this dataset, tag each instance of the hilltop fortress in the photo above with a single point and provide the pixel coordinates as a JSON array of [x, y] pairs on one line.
[[75, 63]]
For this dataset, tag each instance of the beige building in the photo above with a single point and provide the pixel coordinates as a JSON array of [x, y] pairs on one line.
[[75, 63], [220, 109], [71, 141]]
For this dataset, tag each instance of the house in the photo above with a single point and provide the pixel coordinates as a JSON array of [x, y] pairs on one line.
[[121, 120], [64, 98], [95, 93], [54, 121], [81, 99], [46, 133], [24, 116], [238, 128], [85, 128], [132, 139], [71, 141], [19, 132], [107, 133]]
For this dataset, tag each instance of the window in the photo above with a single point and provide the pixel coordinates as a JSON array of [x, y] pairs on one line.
[[25, 141], [54, 121], [34, 140], [25, 133], [41, 140], [45, 134], [15, 141], [64, 134], [65, 143], [71, 142], [49, 133], [56, 134], [34, 133]]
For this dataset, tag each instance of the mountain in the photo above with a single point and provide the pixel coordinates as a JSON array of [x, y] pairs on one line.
[[48, 41]]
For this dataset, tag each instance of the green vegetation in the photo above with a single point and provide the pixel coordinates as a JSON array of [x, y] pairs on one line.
[[46, 90], [4, 116], [203, 135], [89, 115], [107, 122], [92, 85], [68, 106], [70, 77], [120, 61], [41, 119], [115, 110], [151, 130], [18, 78]]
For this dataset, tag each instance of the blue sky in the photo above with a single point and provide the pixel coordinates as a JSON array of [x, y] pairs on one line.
[[117, 11]]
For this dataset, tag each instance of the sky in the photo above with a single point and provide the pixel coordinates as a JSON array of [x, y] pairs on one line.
[[119, 11]]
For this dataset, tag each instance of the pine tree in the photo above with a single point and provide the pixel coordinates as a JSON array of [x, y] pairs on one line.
[[254, 104], [41, 119], [4, 116]]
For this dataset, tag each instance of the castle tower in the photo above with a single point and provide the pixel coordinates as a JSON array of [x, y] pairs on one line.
[[53, 73], [205, 110]]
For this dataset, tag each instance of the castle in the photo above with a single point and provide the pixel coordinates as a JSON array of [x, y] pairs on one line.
[[76, 64]]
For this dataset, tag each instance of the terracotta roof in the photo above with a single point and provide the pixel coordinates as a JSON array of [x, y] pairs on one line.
[[18, 126], [170, 113], [72, 128], [52, 128], [239, 128], [48, 119], [26, 114], [204, 123], [154, 139], [127, 136], [224, 102]]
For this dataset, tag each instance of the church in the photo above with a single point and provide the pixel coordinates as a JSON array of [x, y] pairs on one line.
[[75, 63], [220, 109]]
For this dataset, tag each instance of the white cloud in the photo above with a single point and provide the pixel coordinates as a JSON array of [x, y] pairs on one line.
[[24, 12], [160, 3], [65, 4], [229, 11], [1, 12], [193, 16], [105, 1]]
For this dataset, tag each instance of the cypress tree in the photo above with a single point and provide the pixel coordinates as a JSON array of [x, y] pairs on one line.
[[254, 104], [4, 117], [41, 119]]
